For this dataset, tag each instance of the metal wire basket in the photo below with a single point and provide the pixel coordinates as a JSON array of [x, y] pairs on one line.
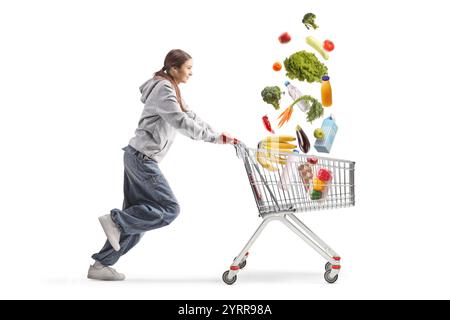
[[289, 183]]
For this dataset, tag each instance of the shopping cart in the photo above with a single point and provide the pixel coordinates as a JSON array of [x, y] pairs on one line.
[[295, 183]]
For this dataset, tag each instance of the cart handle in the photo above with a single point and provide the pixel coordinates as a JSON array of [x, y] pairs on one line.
[[240, 148]]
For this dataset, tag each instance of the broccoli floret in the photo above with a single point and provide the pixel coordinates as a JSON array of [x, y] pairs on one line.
[[308, 21], [272, 95]]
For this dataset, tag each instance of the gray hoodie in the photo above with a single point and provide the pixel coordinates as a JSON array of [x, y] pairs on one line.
[[162, 117]]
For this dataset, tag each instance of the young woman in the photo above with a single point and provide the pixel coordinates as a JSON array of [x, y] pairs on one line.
[[148, 200]]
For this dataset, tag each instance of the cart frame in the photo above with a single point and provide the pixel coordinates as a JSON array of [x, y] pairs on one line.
[[274, 205]]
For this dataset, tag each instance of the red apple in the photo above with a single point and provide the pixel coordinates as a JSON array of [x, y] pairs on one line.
[[284, 37]]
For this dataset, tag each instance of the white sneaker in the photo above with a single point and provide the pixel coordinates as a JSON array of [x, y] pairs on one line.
[[100, 272], [111, 231]]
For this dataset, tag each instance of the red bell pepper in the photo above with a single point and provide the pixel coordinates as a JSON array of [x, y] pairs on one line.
[[267, 124], [324, 175]]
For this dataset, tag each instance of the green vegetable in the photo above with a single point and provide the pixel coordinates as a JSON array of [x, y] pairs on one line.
[[316, 195], [308, 21], [272, 95], [305, 66], [315, 110], [313, 42]]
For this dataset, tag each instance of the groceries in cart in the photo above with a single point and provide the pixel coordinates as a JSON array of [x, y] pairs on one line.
[[306, 172], [288, 174], [321, 183], [271, 161], [329, 129]]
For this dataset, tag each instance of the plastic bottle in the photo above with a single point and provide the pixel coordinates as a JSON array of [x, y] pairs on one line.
[[288, 173], [327, 97], [295, 93]]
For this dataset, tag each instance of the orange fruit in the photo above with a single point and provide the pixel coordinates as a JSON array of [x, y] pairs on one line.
[[276, 66]]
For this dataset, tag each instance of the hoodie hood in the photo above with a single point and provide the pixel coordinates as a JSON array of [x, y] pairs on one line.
[[147, 87]]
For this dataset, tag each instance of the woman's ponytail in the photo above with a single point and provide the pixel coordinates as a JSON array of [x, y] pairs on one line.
[[175, 58]]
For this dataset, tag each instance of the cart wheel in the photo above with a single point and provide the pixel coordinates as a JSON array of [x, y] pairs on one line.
[[328, 278], [242, 264], [226, 280], [328, 266]]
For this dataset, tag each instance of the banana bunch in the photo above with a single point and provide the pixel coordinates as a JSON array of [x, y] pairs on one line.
[[274, 144], [278, 143]]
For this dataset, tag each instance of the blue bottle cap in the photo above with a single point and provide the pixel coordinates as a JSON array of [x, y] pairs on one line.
[[325, 78], [287, 83]]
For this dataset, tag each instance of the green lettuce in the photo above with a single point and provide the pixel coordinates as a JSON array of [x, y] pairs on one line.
[[305, 66]]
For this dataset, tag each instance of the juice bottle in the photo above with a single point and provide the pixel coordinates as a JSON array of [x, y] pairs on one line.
[[327, 99]]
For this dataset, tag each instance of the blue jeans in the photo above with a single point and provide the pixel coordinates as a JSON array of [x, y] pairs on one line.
[[148, 204]]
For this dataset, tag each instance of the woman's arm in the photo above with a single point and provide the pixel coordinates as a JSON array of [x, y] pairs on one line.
[[199, 120], [169, 109]]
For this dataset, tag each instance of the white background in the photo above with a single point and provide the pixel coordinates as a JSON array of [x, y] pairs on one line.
[[69, 101]]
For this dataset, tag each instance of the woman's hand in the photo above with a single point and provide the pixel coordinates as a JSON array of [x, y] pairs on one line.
[[225, 138]]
